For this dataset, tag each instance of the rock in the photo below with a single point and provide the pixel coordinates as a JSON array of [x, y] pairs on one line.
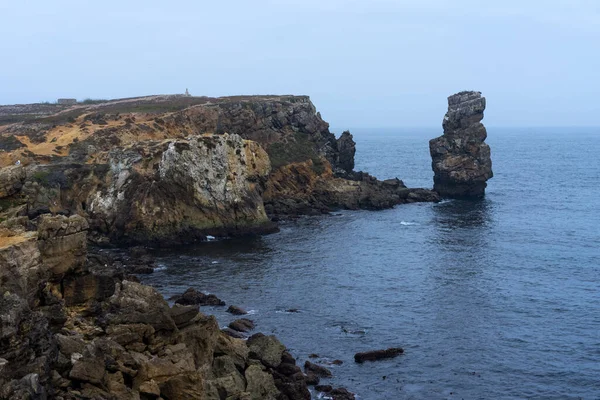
[[62, 242], [233, 333], [236, 310], [192, 296], [11, 180], [346, 150], [260, 384], [180, 190], [87, 371], [288, 369], [150, 388], [324, 388], [79, 289], [312, 379], [341, 394], [242, 325], [70, 344], [317, 369], [134, 303], [185, 386], [267, 349], [378, 354], [460, 159], [183, 315]]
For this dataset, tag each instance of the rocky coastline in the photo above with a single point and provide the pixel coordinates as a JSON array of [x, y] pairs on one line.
[[156, 171]]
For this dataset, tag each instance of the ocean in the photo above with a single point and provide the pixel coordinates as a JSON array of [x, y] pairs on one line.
[[491, 299]]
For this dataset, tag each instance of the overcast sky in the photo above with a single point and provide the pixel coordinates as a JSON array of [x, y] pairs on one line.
[[365, 63]]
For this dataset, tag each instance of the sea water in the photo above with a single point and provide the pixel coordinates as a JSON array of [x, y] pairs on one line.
[[491, 299]]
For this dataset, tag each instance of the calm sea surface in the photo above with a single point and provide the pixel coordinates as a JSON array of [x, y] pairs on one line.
[[494, 299]]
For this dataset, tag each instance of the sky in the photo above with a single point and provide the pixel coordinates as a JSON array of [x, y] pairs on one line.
[[364, 63]]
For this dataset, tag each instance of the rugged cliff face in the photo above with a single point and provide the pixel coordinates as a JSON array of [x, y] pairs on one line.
[[461, 160], [170, 169], [73, 328], [157, 190]]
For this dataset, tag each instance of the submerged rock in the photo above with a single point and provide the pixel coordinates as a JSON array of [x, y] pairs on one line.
[[460, 159]]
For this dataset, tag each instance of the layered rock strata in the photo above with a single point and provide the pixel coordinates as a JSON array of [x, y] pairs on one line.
[[171, 170], [461, 160]]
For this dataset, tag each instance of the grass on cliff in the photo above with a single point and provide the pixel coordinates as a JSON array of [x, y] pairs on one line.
[[298, 149]]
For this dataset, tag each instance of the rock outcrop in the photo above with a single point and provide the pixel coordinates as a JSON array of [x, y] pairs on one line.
[[460, 159], [157, 191], [11, 180], [71, 330], [187, 168], [346, 149]]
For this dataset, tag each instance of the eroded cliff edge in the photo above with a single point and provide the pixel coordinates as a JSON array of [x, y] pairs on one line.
[[169, 169]]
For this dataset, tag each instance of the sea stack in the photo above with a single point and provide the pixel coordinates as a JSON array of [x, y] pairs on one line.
[[460, 159]]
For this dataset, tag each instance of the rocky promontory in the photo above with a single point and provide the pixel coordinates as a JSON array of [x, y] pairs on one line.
[[460, 158], [173, 169]]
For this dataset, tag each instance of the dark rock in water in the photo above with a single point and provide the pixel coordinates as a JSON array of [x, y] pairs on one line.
[[341, 394], [346, 150], [194, 297], [242, 325], [288, 369], [317, 369], [313, 355], [234, 333], [292, 310], [312, 379], [460, 159], [324, 388], [236, 310], [378, 354]]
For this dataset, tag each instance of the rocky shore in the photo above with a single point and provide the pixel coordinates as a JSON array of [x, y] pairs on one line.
[[77, 326], [157, 171]]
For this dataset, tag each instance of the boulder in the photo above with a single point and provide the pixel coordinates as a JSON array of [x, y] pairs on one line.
[[317, 369], [260, 384], [341, 394], [267, 349], [236, 310], [242, 325], [192, 297], [378, 354], [91, 371], [461, 160]]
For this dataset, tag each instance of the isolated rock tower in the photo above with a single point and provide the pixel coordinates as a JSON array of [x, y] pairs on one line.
[[460, 159]]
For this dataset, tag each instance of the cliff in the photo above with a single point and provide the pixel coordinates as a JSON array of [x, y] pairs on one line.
[[72, 328], [171, 169]]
